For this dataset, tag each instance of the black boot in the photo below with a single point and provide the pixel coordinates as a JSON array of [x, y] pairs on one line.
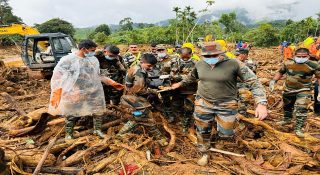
[[69, 124], [97, 122], [299, 124]]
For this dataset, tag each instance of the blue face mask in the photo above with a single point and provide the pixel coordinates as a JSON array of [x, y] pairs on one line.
[[213, 60], [300, 60], [109, 58], [90, 54]]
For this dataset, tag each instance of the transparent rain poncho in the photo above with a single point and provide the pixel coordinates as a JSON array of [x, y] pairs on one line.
[[81, 92]]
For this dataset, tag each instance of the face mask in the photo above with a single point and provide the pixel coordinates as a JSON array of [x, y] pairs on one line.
[[162, 55], [213, 60], [109, 58], [300, 60], [90, 54]]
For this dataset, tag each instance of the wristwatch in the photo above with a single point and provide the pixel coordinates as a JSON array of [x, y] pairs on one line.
[[264, 103]]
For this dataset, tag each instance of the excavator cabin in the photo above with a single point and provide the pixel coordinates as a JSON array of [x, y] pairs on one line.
[[43, 51], [40, 51]]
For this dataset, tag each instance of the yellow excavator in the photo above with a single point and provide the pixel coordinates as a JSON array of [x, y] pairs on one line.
[[40, 51]]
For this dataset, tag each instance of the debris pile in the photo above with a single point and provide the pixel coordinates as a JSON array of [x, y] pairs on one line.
[[33, 140]]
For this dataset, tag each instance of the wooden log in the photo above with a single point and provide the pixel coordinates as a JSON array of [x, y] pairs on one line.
[[30, 157], [308, 141], [59, 170], [12, 102], [172, 141], [46, 153], [80, 155]]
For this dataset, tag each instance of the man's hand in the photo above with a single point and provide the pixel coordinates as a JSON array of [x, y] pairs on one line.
[[176, 85], [261, 112], [112, 83], [318, 97], [271, 85], [162, 77]]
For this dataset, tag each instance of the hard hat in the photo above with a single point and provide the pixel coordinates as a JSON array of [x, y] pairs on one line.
[[161, 47], [188, 45]]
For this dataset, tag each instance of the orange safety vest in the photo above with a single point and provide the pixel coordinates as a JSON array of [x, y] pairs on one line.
[[288, 53]]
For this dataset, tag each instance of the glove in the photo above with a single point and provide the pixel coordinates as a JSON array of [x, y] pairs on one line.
[[56, 97], [112, 83], [162, 77], [271, 85]]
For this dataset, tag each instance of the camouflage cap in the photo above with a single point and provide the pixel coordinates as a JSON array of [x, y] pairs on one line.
[[211, 48], [161, 47]]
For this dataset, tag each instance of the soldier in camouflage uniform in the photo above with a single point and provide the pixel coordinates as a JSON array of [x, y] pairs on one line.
[[216, 99], [133, 55], [136, 94], [182, 100], [163, 59], [244, 91], [111, 67], [298, 85]]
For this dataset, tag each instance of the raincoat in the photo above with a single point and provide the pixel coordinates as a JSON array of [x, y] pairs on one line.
[[76, 88]]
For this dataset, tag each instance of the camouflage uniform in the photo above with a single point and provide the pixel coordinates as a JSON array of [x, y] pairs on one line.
[[114, 70], [166, 95], [298, 85], [136, 94], [244, 92], [131, 59], [182, 100], [216, 99]]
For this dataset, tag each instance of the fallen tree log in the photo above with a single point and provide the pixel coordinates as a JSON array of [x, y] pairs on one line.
[[30, 157], [173, 138], [59, 170], [308, 141]]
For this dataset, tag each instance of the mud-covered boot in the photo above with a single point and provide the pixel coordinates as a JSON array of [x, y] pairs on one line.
[[286, 120], [203, 161], [299, 124], [203, 147], [129, 126], [69, 124], [186, 122], [97, 122]]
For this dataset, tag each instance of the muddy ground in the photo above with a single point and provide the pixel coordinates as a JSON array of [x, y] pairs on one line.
[[261, 147]]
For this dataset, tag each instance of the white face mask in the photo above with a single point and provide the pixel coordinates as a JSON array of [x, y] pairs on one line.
[[300, 60], [162, 55]]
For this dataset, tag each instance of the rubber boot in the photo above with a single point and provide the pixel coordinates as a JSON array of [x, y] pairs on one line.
[[129, 126], [69, 124], [286, 120], [186, 121], [299, 124], [97, 122]]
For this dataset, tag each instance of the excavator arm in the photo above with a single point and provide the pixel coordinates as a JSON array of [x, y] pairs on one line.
[[18, 29]]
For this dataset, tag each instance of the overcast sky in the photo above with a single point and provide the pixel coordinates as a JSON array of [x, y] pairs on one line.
[[85, 13]]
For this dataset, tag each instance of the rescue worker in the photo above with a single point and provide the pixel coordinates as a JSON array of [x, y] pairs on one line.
[[288, 52], [192, 47], [182, 100], [111, 67], [216, 98], [76, 89], [298, 85], [244, 91], [154, 49], [163, 59], [136, 93], [133, 55]]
